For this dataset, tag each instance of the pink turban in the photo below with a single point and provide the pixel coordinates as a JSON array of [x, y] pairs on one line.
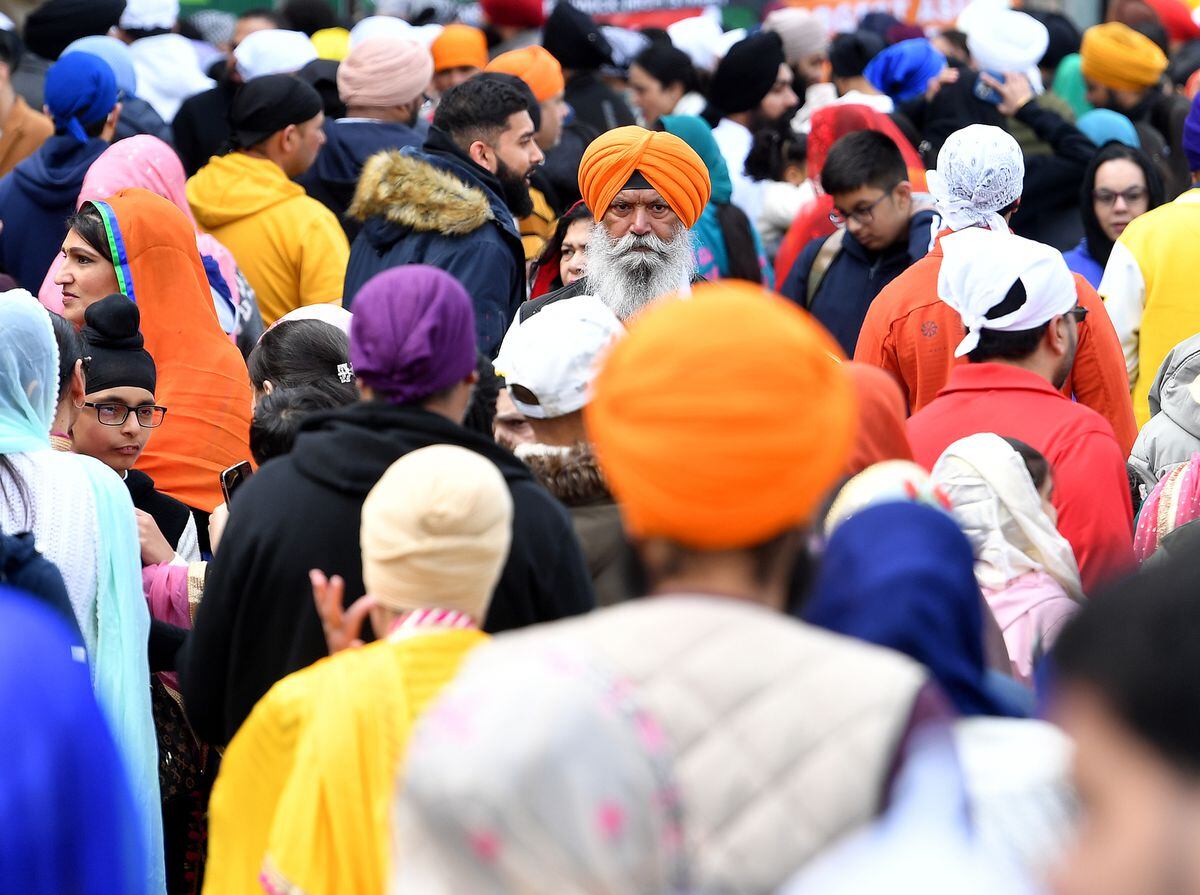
[[384, 71]]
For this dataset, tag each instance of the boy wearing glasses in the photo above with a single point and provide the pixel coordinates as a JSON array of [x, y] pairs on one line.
[[881, 231], [119, 415]]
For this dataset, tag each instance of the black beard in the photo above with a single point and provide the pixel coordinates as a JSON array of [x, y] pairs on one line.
[[515, 191]]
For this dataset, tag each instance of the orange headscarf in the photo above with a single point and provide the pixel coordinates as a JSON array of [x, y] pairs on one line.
[[202, 379], [881, 432], [536, 67], [669, 165], [459, 46], [722, 421]]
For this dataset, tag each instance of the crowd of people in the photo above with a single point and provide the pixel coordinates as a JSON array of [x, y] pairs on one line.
[[480, 449]]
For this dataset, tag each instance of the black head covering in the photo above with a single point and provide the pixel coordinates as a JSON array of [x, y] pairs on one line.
[[1064, 37], [57, 23], [878, 23], [573, 38], [322, 75], [1185, 62], [119, 359], [535, 108], [267, 105], [746, 75], [1099, 245], [850, 52]]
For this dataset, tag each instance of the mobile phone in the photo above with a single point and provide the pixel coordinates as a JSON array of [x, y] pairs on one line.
[[986, 93], [233, 478]]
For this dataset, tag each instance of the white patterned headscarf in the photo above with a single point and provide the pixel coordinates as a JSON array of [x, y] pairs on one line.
[[980, 171]]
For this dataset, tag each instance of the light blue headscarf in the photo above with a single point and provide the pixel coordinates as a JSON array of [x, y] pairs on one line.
[[121, 628], [115, 53], [1104, 125]]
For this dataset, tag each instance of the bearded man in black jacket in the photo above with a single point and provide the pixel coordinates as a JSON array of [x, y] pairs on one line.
[[412, 345]]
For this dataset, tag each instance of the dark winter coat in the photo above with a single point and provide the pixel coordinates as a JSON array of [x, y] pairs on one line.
[[856, 276], [36, 198], [201, 126], [139, 117], [348, 144], [438, 207], [595, 103], [257, 622]]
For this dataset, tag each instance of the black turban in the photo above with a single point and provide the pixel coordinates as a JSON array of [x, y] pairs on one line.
[[119, 359], [849, 53], [57, 23], [745, 76], [266, 105], [573, 38]]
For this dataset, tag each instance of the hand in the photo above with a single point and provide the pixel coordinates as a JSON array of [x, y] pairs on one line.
[[342, 628], [948, 75], [1015, 92], [155, 548], [216, 525]]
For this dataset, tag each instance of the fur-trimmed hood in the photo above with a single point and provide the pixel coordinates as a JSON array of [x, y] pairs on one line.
[[411, 190], [570, 474]]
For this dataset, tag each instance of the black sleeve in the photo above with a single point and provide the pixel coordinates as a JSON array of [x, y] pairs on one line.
[[165, 641], [1052, 182], [187, 140]]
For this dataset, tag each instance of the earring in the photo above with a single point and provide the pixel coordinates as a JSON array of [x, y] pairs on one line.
[[78, 404]]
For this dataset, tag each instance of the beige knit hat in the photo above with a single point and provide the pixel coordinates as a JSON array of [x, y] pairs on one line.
[[436, 531]]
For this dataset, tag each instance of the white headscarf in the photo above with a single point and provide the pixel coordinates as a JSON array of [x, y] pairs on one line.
[[274, 51], [1001, 513], [980, 170], [1006, 40], [979, 268]]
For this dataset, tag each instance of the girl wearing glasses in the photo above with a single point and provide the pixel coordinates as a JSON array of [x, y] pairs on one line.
[[1120, 184], [118, 417]]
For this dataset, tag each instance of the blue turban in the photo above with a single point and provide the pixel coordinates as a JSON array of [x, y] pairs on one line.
[[1104, 126], [1191, 136], [903, 70], [115, 53], [80, 90]]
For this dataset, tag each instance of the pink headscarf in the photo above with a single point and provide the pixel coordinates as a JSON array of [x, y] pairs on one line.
[[1174, 502], [149, 163]]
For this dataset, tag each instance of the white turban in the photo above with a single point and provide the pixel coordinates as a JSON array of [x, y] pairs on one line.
[[1005, 40], [702, 38], [980, 171], [803, 33], [273, 52], [979, 268], [435, 533]]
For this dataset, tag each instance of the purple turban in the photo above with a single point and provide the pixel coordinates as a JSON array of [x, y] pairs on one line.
[[413, 333], [1191, 136]]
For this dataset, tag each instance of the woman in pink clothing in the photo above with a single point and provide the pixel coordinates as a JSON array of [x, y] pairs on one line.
[[150, 164], [1000, 489]]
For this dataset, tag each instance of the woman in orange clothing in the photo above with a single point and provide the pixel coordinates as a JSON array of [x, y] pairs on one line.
[[140, 245]]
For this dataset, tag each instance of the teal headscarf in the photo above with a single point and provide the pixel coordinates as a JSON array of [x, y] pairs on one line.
[[121, 628], [694, 131], [1069, 84]]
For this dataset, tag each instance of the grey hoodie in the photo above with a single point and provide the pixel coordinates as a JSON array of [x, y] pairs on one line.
[[1173, 432]]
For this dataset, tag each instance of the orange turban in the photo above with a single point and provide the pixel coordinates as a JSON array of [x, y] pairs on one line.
[[536, 67], [1117, 57], [669, 165], [459, 46], [723, 420]]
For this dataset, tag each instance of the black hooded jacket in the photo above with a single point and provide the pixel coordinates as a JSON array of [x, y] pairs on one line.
[[257, 622]]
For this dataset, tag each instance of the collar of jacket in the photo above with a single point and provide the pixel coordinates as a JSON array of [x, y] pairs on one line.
[[991, 376], [571, 474]]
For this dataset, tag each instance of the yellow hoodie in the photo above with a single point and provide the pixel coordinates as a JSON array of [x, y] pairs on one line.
[[290, 247]]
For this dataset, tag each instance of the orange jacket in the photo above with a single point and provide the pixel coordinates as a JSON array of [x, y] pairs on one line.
[[912, 334], [202, 379]]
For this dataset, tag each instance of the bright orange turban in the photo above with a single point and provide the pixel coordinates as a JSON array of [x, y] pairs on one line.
[[667, 162], [536, 67], [722, 420], [459, 46], [1116, 56]]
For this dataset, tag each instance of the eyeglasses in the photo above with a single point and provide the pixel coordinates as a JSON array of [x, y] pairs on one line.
[[149, 416], [1131, 195], [862, 215], [1079, 312]]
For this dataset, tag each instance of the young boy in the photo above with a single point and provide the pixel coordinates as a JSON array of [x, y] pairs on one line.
[[118, 417], [882, 230]]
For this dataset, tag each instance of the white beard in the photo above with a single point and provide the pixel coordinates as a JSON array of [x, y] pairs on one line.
[[625, 280]]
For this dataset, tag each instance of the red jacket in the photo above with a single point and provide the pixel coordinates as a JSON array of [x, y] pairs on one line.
[[912, 334], [1091, 490]]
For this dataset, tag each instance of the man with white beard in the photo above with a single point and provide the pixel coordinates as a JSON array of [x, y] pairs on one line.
[[646, 189]]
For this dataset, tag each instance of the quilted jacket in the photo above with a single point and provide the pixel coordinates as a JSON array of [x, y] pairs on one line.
[[783, 736]]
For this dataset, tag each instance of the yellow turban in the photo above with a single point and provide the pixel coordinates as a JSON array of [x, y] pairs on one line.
[[723, 420], [1117, 57], [435, 532], [669, 165], [536, 67]]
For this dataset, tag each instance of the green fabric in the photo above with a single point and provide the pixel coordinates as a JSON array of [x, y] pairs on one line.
[[1069, 84], [694, 131]]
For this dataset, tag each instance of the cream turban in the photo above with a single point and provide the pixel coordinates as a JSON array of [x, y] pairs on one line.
[[802, 32], [436, 531], [669, 165]]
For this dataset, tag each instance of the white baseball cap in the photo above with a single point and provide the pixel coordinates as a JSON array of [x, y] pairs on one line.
[[550, 359]]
